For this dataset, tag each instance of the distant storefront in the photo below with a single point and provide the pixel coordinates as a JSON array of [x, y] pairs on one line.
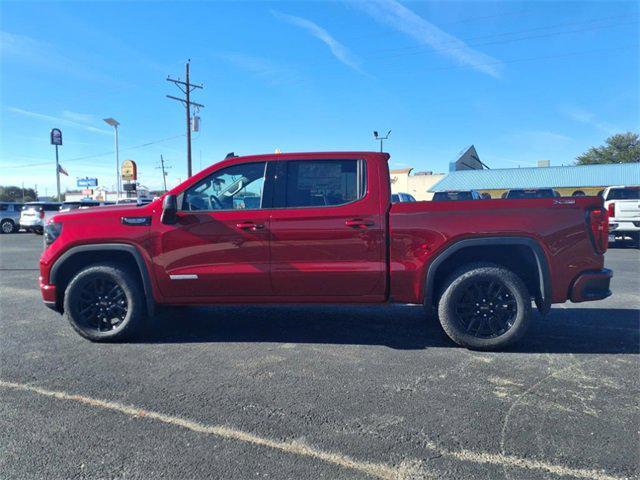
[[568, 181]]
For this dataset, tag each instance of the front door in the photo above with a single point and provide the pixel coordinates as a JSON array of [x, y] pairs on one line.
[[327, 231], [220, 245]]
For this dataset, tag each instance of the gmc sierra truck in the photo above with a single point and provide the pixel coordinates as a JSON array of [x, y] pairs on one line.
[[321, 228]]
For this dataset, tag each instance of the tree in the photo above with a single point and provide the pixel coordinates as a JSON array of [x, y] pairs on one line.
[[12, 193], [620, 148]]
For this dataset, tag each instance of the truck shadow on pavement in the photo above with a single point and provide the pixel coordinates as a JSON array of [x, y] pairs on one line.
[[571, 330]]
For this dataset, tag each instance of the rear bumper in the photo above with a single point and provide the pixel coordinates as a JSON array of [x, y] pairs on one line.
[[592, 285], [624, 225]]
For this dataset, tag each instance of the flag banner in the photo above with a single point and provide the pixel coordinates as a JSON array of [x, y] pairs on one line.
[[62, 170]]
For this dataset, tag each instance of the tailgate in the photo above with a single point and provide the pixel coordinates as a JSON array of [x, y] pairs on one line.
[[627, 209]]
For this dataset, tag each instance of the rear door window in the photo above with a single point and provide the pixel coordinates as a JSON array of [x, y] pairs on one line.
[[321, 183]]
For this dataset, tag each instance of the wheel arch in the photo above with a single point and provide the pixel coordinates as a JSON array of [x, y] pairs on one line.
[[71, 261], [493, 249]]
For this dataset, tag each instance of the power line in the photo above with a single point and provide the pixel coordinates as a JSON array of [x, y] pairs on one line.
[[426, 49], [188, 88], [97, 155]]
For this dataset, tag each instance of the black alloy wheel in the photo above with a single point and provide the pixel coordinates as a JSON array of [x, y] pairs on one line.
[[486, 309], [102, 304]]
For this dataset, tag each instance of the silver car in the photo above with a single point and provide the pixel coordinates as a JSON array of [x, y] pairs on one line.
[[10, 217], [35, 215]]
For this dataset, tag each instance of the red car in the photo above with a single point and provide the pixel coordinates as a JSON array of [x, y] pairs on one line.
[[320, 228]]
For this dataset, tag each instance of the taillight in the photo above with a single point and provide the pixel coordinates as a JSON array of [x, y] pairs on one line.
[[41, 214], [599, 224], [611, 209]]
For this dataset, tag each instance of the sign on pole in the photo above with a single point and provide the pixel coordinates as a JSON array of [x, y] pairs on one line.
[[87, 182], [129, 170], [56, 136]]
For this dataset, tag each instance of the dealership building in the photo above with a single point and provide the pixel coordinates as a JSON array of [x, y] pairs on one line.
[[569, 181]]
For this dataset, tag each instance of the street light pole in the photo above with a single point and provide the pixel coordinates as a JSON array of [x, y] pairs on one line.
[[114, 123], [378, 137]]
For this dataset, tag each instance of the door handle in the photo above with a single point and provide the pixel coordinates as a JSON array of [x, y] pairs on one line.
[[249, 226], [358, 222]]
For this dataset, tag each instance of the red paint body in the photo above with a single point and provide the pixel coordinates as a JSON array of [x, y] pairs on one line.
[[368, 251]]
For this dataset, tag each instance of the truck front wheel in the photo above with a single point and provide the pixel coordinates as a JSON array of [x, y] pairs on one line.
[[105, 303], [484, 307]]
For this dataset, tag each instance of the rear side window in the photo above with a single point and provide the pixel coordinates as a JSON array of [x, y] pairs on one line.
[[322, 183], [4, 207]]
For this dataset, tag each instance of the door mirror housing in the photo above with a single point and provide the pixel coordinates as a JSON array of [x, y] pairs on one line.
[[169, 210]]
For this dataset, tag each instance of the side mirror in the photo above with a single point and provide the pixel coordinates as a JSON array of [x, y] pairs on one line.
[[169, 210]]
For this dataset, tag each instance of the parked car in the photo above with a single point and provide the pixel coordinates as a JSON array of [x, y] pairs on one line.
[[72, 205], [323, 231], [35, 215], [532, 193], [456, 195], [10, 217], [623, 206], [402, 197]]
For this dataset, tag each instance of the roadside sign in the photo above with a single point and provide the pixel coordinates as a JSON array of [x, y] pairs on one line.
[[87, 182], [56, 136], [129, 170], [129, 187], [87, 191]]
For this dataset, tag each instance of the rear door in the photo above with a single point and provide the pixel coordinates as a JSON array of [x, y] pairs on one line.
[[327, 231]]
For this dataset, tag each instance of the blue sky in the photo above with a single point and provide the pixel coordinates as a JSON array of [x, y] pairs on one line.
[[522, 81]]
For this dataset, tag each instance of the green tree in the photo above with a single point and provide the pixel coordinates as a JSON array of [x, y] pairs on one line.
[[620, 148], [12, 193]]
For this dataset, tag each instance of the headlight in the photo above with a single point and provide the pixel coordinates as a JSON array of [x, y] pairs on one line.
[[52, 231]]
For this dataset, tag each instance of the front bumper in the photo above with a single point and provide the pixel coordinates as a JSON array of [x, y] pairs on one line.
[[591, 285], [48, 293]]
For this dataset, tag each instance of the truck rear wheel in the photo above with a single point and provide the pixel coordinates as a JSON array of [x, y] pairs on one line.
[[105, 303], [485, 307]]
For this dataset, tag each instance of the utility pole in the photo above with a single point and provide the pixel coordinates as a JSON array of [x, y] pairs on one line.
[[378, 137], [164, 173], [186, 88]]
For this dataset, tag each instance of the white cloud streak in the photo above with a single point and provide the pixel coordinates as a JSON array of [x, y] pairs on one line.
[[588, 118], [63, 120], [399, 17], [342, 53], [263, 68]]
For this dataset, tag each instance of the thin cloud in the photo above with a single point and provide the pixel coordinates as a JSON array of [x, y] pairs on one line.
[[46, 56], [263, 68], [78, 117], [399, 17], [59, 121], [588, 118], [338, 50]]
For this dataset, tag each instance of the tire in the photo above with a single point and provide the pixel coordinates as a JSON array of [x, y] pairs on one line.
[[105, 303], [7, 226], [503, 307]]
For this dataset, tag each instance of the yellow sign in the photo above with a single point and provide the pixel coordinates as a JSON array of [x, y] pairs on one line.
[[129, 170]]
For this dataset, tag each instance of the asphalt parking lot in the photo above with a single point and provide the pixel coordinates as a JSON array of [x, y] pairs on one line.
[[316, 392]]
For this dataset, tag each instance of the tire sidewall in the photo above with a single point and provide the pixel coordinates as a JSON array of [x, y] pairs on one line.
[[133, 294], [459, 282]]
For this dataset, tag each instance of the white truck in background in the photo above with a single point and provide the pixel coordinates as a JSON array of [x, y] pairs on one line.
[[623, 205]]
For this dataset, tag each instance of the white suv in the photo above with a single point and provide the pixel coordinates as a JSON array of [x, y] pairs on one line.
[[623, 205], [35, 215]]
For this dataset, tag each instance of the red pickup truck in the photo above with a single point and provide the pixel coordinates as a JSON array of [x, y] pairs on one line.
[[320, 228]]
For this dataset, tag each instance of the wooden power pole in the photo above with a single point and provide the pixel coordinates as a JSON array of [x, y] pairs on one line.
[[186, 88]]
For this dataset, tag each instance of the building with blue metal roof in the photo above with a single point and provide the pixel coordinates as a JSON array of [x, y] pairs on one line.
[[568, 181]]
